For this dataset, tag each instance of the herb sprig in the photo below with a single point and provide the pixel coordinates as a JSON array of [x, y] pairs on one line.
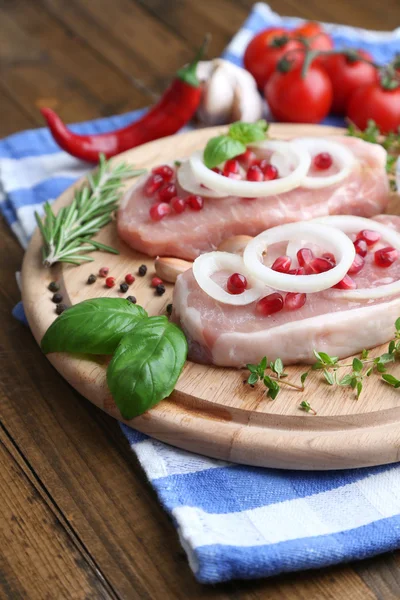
[[358, 371], [224, 147], [391, 143], [67, 236], [274, 380]]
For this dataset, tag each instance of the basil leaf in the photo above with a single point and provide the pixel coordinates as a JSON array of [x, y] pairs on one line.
[[94, 326], [221, 148], [248, 132], [146, 366]]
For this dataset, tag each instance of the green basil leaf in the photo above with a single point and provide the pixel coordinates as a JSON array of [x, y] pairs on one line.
[[93, 326], [248, 132], [146, 365], [221, 148]]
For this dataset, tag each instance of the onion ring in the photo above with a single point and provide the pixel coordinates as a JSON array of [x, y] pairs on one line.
[[188, 182], [340, 154], [351, 224], [254, 189], [329, 237], [207, 264]]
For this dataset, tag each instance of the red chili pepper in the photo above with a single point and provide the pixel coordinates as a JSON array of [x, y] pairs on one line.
[[176, 107]]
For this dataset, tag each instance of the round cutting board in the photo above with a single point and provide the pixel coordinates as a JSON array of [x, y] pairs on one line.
[[211, 411]]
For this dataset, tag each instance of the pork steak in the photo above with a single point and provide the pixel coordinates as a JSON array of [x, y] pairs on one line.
[[365, 192], [233, 336]]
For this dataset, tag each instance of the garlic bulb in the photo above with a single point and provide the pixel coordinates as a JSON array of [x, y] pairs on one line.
[[229, 93]]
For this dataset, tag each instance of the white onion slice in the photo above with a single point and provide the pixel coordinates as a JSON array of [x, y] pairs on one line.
[[352, 224], [188, 182], [207, 264], [330, 238], [341, 156], [254, 189]]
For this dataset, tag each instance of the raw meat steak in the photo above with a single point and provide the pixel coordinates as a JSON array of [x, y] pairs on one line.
[[364, 193], [233, 336]]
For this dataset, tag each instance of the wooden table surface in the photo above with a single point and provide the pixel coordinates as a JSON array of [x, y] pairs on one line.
[[77, 517]]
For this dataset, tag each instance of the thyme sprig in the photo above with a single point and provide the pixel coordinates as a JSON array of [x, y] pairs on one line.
[[372, 134], [274, 380], [67, 236], [359, 369]]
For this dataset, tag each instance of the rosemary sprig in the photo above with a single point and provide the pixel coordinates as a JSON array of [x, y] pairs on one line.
[[391, 143], [360, 368], [67, 236]]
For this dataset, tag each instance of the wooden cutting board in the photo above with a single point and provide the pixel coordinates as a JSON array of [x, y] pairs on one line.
[[211, 411]]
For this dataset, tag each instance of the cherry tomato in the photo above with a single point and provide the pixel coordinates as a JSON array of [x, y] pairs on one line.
[[264, 52], [377, 103], [315, 35], [295, 99], [347, 75]]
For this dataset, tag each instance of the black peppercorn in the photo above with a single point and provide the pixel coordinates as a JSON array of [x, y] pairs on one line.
[[142, 270], [160, 289], [53, 286], [60, 308], [57, 298], [169, 309], [91, 279], [123, 287], [132, 299]]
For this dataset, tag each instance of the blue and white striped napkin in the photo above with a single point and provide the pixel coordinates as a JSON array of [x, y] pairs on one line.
[[233, 521]]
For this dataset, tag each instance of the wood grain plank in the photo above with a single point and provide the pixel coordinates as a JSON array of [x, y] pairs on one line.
[[382, 575], [29, 76], [59, 45], [191, 19], [121, 32], [39, 559], [358, 13], [13, 117]]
